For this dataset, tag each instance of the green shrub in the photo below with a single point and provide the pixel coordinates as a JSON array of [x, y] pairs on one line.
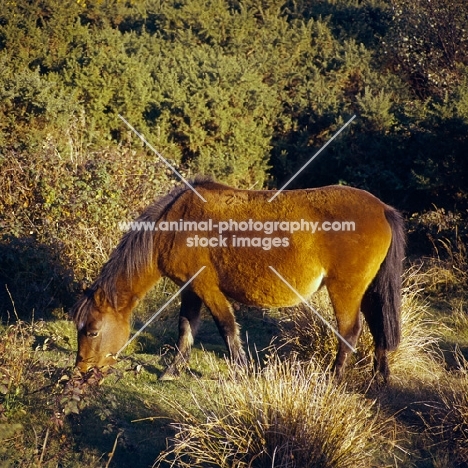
[[427, 40]]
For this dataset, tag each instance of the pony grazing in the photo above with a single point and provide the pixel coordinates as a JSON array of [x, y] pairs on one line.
[[257, 252]]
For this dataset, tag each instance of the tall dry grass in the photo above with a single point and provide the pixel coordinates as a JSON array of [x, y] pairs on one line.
[[446, 418], [288, 414], [418, 353]]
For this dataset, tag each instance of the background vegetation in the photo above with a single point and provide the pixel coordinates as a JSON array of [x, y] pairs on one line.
[[246, 91]]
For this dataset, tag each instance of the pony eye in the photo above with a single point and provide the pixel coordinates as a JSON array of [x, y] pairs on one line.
[[92, 334]]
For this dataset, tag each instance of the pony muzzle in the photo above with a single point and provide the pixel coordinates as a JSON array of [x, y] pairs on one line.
[[85, 365]]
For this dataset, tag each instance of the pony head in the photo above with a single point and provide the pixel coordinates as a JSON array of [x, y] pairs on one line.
[[103, 329]]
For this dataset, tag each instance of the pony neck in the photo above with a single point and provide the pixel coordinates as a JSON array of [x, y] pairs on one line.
[[129, 293]]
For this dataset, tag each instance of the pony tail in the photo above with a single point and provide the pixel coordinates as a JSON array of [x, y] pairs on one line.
[[382, 300]]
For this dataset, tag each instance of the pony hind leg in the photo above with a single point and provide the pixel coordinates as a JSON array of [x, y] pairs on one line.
[[349, 321], [371, 308], [381, 364], [189, 319]]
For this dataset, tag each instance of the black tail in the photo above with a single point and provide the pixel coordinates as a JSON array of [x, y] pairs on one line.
[[382, 300]]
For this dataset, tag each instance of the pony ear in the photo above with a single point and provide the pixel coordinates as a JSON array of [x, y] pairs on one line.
[[99, 297], [135, 301]]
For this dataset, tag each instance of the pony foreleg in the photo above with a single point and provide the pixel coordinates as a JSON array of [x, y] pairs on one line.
[[223, 315], [189, 319]]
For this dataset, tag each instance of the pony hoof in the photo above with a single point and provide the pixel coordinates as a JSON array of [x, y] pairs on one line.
[[169, 374]]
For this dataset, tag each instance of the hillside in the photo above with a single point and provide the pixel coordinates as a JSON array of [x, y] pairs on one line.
[[247, 92]]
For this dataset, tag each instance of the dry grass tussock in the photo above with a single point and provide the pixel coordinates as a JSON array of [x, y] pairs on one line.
[[307, 336], [448, 272], [288, 414], [446, 419], [418, 353]]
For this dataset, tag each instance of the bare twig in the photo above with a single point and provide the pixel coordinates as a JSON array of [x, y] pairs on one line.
[[46, 438], [111, 455]]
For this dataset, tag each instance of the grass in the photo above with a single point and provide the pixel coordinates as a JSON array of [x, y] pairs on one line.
[[446, 424], [285, 412]]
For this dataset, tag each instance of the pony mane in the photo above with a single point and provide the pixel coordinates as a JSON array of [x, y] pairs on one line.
[[133, 253]]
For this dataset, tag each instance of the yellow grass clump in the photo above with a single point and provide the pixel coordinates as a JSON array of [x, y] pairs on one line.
[[288, 414], [446, 419]]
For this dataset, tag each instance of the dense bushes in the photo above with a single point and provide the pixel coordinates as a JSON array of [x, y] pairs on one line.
[[245, 91], [428, 42]]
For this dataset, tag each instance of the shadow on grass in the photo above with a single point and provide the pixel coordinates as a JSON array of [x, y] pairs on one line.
[[422, 415], [125, 425], [160, 338], [33, 277]]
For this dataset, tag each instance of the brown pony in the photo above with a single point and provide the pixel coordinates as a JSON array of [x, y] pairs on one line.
[[340, 237]]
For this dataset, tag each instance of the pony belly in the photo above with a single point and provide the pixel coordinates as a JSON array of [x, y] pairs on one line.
[[275, 291]]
